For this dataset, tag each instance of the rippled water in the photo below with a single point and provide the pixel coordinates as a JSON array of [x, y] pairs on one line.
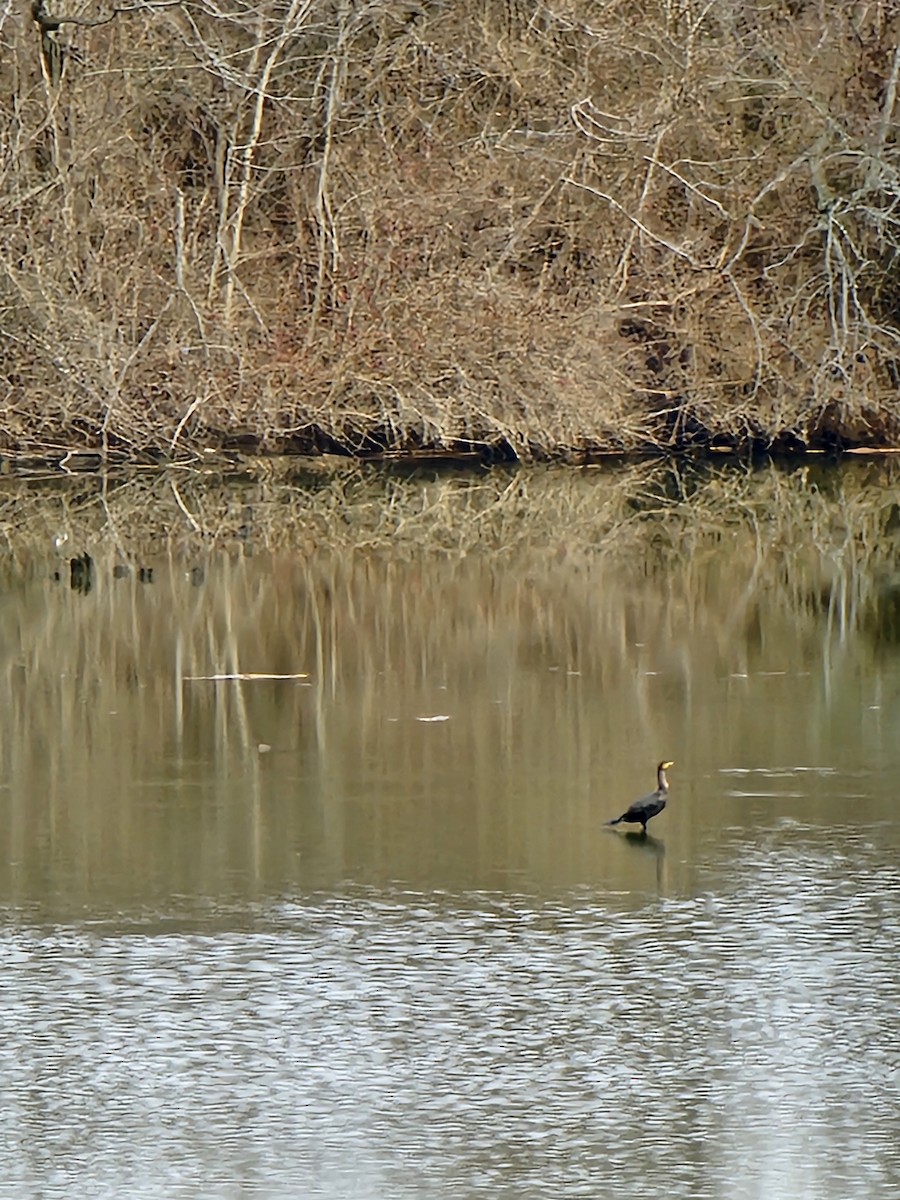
[[741, 1042], [305, 889]]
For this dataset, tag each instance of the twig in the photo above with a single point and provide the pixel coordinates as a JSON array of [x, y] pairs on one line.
[[611, 200]]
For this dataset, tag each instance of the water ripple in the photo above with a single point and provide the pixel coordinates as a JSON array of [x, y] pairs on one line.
[[737, 1044]]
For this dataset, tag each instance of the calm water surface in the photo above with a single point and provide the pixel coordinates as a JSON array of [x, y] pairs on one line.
[[359, 931]]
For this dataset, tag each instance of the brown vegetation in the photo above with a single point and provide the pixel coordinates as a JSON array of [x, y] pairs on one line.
[[537, 229]]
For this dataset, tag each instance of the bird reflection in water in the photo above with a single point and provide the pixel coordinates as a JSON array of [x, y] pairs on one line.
[[653, 847]]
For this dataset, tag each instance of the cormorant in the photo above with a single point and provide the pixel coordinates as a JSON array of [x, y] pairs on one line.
[[642, 810]]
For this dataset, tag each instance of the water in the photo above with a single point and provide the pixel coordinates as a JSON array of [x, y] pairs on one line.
[[392, 1043], [359, 931]]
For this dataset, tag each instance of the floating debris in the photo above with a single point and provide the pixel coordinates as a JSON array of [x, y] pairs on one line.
[[737, 795], [242, 675], [778, 772]]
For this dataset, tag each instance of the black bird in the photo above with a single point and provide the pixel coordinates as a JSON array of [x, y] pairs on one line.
[[642, 810]]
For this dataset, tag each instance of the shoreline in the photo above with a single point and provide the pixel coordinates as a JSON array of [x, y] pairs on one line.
[[85, 460], [483, 232]]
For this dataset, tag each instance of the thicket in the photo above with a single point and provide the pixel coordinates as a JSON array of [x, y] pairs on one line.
[[540, 229]]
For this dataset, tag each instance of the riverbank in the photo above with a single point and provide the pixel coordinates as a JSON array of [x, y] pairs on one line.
[[504, 232]]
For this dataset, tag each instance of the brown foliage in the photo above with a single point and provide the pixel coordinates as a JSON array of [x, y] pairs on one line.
[[390, 225]]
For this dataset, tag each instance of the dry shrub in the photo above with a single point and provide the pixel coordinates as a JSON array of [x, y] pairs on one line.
[[538, 228]]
